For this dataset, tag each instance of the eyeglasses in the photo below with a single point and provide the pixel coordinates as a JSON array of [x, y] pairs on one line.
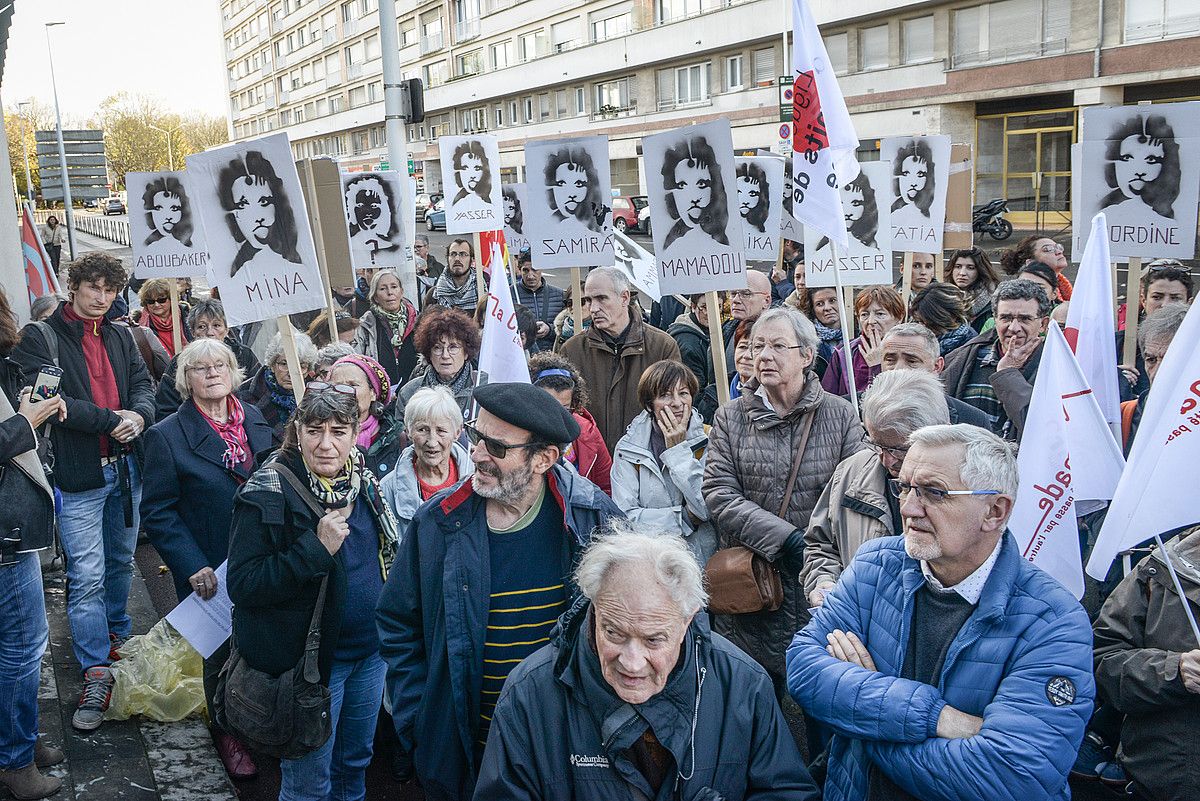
[[453, 349], [1023, 319], [163, 299], [495, 447], [761, 347], [744, 294], [895, 453], [1051, 248], [929, 495], [325, 386], [201, 369]]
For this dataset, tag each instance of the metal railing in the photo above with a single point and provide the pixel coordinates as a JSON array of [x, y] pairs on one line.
[[1001, 55], [103, 226], [467, 29], [431, 43]]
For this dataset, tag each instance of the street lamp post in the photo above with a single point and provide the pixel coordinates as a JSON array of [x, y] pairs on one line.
[[68, 211], [25, 152], [170, 150]]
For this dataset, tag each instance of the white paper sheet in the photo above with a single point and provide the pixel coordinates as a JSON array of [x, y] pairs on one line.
[[205, 624]]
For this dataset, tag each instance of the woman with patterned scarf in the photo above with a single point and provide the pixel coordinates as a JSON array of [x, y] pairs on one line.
[[284, 556], [380, 437], [385, 333], [448, 341], [271, 387], [827, 318], [196, 458]]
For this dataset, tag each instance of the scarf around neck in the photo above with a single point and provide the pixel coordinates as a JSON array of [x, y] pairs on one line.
[[456, 385], [402, 321], [355, 481], [283, 398], [447, 294], [232, 433], [827, 334]]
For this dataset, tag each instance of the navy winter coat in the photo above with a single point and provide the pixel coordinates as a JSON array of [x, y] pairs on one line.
[[187, 492], [1022, 662], [432, 617], [560, 733]]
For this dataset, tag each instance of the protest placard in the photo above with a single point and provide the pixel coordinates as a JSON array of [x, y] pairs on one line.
[[568, 206]]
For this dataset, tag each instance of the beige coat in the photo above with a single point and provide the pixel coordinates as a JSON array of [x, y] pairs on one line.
[[852, 510]]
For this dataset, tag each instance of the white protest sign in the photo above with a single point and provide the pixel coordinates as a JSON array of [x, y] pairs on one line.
[[514, 218], [471, 181], [1140, 165], [164, 232], [263, 262], [568, 210], [789, 227], [697, 234], [638, 263], [866, 217], [760, 204], [374, 218], [501, 355], [920, 167]]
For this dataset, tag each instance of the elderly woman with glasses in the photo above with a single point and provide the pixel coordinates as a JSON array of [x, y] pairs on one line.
[[448, 341], [196, 459], [380, 437], [434, 461], [271, 389], [155, 314], [878, 309], [770, 454], [311, 525]]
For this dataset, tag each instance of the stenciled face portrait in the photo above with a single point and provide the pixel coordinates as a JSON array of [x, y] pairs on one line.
[[512, 208], [1138, 164], [569, 189], [370, 208], [914, 175], [913, 178], [852, 204], [470, 172], [1142, 164], [166, 210], [253, 209], [692, 191]]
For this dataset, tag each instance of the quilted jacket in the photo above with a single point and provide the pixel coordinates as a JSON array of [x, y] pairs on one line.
[[750, 454], [1022, 662]]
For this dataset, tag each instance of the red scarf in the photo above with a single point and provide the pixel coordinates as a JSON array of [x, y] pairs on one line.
[[233, 433], [162, 330], [101, 379]]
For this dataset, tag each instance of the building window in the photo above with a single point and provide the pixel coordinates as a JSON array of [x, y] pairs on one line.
[[336, 104], [544, 106], [371, 46], [564, 35], [560, 103], [501, 54], [533, 45], [764, 67], [469, 63], [527, 103], [499, 114], [512, 112], [733, 73], [916, 40], [611, 23], [579, 100], [612, 95], [435, 73], [682, 86], [1009, 30], [1155, 19], [873, 48], [375, 91], [408, 33], [670, 10], [838, 47]]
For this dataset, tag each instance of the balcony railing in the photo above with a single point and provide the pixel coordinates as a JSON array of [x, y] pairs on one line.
[[466, 30], [431, 43], [1003, 55], [613, 112]]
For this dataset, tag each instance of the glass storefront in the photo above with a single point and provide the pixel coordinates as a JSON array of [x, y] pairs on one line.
[[1026, 157]]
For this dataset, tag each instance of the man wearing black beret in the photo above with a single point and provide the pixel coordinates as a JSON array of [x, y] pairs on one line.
[[482, 575]]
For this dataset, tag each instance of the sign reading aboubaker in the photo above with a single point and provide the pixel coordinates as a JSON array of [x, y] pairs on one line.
[[164, 232], [471, 182], [263, 261], [568, 210], [693, 195]]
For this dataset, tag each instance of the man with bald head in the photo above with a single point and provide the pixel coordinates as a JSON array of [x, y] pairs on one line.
[[912, 346], [746, 304], [615, 351]]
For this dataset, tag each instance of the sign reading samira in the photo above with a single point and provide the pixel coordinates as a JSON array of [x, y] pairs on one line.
[[866, 217], [263, 262], [471, 181], [697, 235], [164, 231], [568, 211], [920, 176]]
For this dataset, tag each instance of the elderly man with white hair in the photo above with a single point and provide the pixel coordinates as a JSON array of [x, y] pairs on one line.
[[635, 697], [947, 665], [856, 506]]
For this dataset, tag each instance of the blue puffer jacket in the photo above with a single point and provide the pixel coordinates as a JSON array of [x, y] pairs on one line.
[[1022, 662]]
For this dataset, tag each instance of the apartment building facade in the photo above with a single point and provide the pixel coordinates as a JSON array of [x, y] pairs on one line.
[[1007, 76]]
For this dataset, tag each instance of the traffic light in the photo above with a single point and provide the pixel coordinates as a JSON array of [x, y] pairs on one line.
[[413, 100]]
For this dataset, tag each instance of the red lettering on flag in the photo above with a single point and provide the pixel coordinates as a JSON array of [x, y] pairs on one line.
[[808, 123]]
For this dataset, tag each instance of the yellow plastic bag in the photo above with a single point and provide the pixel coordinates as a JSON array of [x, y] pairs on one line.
[[159, 676]]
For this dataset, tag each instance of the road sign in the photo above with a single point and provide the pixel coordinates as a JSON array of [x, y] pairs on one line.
[[86, 164], [785, 85], [784, 145], [385, 165]]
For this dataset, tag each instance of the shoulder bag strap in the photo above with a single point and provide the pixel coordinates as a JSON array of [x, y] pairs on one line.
[[791, 482], [51, 340], [312, 643]]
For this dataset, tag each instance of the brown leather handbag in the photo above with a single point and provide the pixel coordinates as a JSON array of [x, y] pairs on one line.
[[742, 581]]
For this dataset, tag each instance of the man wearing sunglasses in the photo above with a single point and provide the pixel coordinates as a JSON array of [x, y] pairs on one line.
[[947, 665], [481, 577]]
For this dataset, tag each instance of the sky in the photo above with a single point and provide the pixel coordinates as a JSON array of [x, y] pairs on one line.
[[169, 49]]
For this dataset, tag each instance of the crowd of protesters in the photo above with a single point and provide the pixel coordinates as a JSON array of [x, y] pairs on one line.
[[603, 583]]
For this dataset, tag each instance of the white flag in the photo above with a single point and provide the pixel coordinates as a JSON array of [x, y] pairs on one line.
[[823, 137], [1067, 453], [501, 356], [1090, 328], [1157, 492]]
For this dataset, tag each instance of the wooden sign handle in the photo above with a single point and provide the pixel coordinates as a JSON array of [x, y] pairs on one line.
[[1133, 293], [176, 322], [717, 346], [293, 358], [906, 280], [480, 283]]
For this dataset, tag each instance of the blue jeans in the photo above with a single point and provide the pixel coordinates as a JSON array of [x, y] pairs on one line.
[[337, 770], [23, 634], [99, 551]]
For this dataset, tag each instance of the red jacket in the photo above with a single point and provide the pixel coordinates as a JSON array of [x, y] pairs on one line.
[[589, 454]]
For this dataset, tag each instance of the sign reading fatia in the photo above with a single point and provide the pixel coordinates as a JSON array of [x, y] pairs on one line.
[[760, 204], [471, 183], [374, 218], [166, 236], [1140, 165], [514, 217], [920, 168], [690, 183], [263, 262], [568, 211], [866, 211]]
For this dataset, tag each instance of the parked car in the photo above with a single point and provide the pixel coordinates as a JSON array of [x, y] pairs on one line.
[[435, 218], [90, 203], [114, 206], [625, 210], [425, 202], [644, 220]]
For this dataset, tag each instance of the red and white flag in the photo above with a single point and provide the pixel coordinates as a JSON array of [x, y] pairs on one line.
[[823, 137], [1090, 329], [1067, 454], [1157, 492], [39, 272], [501, 355]]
